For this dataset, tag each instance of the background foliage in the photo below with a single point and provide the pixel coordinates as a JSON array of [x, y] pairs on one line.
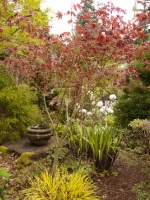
[[134, 102], [18, 108]]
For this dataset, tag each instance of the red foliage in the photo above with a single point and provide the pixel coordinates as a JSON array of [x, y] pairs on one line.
[[70, 21], [93, 53], [59, 15], [143, 18]]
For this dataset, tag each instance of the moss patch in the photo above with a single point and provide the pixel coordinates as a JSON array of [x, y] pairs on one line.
[[25, 159], [4, 151]]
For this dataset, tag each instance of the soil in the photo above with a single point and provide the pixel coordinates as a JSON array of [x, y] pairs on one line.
[[115, 185], [118, 184]]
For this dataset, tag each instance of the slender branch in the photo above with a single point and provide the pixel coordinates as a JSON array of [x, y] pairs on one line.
[[47, 111], [10, 34]]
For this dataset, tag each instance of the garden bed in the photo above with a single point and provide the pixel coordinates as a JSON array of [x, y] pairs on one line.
[[117, 184]]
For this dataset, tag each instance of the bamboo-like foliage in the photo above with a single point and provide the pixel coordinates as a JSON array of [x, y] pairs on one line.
[[100, 143], [61, 186]]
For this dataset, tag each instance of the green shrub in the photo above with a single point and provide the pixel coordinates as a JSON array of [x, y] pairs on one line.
[[17, 111], [6, 78], [61, 186], [135, 100], [100, 143], [133, 104], [4, 179], [141, 131], [143, 68]]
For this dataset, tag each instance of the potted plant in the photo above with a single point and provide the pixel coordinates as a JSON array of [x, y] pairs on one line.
[[39, 134]]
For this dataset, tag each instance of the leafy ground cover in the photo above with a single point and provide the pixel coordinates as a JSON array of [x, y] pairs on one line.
[[128, 179]]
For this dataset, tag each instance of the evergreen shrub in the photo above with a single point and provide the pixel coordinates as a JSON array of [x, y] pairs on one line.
[[135, 100], [133, 104], [17, 111]]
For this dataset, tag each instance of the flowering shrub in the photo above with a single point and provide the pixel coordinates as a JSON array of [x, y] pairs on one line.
[[97, 109]]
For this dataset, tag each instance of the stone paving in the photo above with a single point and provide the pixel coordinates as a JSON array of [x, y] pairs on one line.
[[24, 145]]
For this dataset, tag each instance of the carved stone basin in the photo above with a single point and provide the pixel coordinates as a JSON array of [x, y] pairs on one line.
[[39, 135]]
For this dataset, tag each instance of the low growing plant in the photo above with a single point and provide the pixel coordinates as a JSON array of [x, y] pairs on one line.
[[73, 165], [62, 152], [142, 190], [4, 179], [61, 186], [25, 159], [4, 151]]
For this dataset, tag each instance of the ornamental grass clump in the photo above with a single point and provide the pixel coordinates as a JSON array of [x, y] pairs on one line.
[[61, 186], [99, 143]]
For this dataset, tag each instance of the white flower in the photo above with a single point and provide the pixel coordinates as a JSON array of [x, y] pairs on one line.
[[77, 105], [110, 110], [93, 110], [99, 104], [89, 113], [112, 97], [105, 113], [93, 103], [106, 108], [102, 109], [83, 111]]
